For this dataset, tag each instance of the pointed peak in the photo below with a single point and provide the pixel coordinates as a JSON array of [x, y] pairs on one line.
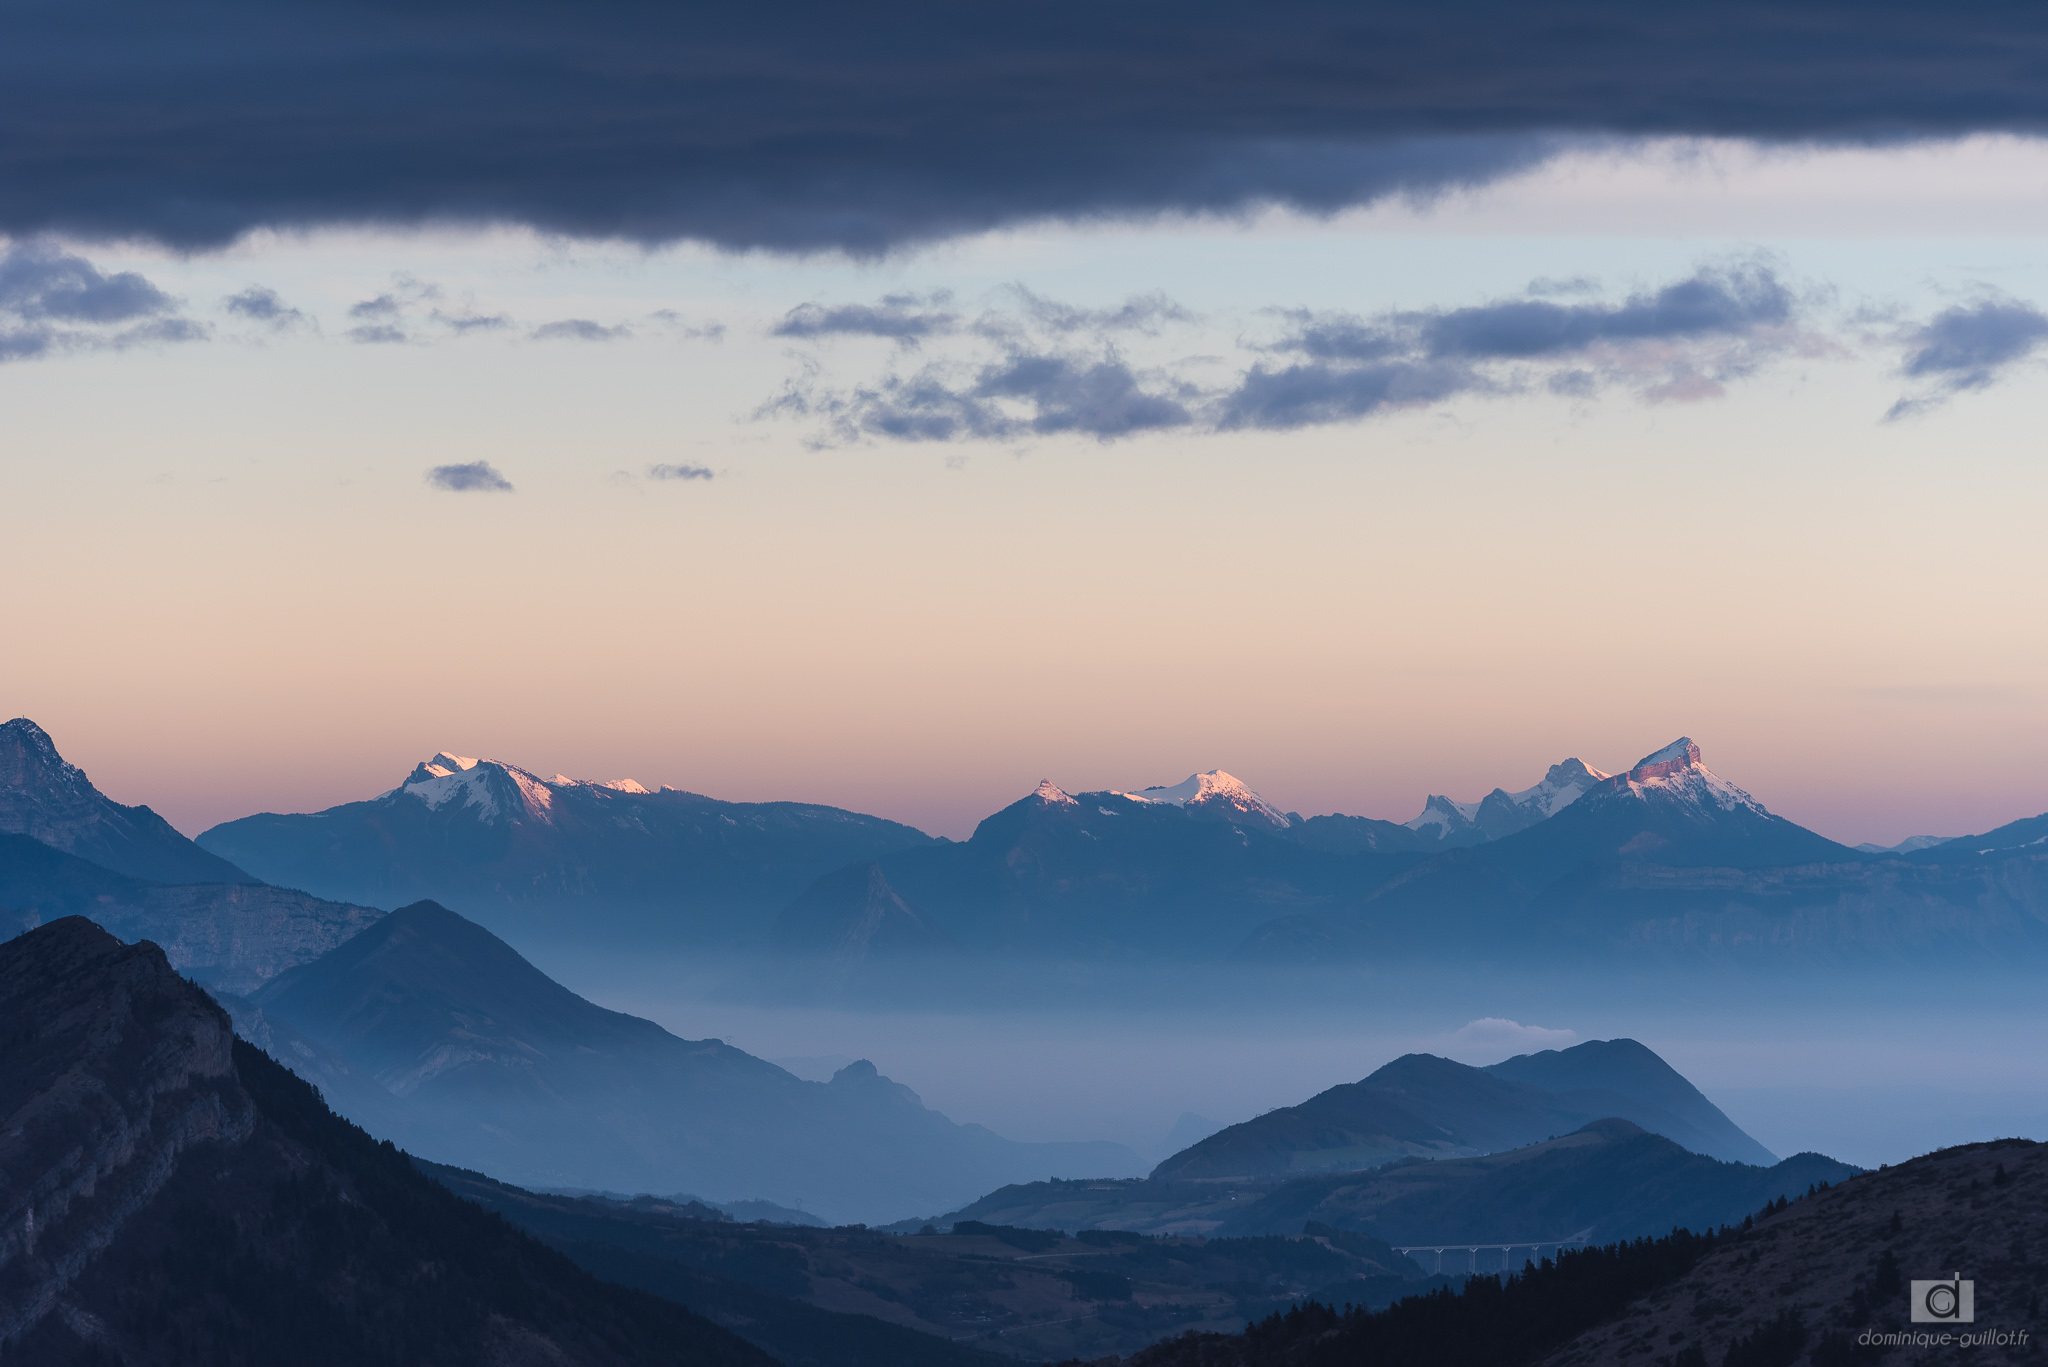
[[1052, 795], [441, 766], [1211, 790], [1680, 754]]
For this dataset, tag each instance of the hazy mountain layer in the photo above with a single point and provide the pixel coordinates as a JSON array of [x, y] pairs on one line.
[[228, 935], [560, 857], [173, 1196], [492, 1065], [1423, 1106], [1609, 1180]]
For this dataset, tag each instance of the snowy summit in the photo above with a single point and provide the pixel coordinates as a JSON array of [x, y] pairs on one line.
[[1215, 789]]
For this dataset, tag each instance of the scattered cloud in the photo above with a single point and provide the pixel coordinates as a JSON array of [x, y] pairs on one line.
[[260, 304], [683, 472], [1046, 367], [1967, 347], [478, 476], [668, 320], [579, 330], [52, 301], [469, 320], [411, 304], [1494, 1038]]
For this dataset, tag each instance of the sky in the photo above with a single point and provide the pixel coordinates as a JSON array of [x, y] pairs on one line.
[[896, 418]]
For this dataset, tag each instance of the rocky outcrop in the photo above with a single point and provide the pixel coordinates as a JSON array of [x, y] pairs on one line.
[[111, 1069], [230, 936]]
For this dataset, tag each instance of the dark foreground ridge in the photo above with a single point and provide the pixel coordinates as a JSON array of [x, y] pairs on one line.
[[170, 1195], [1823, 1281]]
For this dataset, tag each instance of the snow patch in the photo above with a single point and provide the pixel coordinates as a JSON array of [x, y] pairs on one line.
[[1052, 794], [1212, 788], [1565, 783]]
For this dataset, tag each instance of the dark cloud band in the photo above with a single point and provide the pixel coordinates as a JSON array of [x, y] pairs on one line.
[[810, 125]]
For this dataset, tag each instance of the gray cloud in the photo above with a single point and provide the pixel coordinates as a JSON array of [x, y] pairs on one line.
[[683, 472], [377, 334], [862, 128], [478, 476], [52, 301], [904, 318], [578, 330], [261, 304], [1057, 368], [1317, 394], [1024, 393], [1146, 313], [1968, 347]]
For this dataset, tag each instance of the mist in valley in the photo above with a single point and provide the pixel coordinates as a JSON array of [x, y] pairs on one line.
[[1866, 1064]]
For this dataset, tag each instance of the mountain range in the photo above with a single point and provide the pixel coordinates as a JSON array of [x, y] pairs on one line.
[[431, 1030], [1664, 860], [534, 856]]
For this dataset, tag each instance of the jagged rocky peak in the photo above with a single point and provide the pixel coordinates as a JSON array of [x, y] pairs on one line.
[[1677, 772], [441, 766], [495, 790], [1216, 792], [1680, 755], [1052, 795], [47, 799], [32, 770], [1501, 812]]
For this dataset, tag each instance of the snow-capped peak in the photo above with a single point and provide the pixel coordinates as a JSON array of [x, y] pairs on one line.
[[1214, 788], [441, 765], [1682, 751], [617, 785], [494, 788], [1678, 771], [1052, 795]]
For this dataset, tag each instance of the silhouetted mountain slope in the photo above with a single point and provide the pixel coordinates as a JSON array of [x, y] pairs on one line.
[[1608, 1180], [1423, 1106], [1486, 1324], [750, 1280], [501, 1069], [563, 857], [1618, 1076], [49, 800], [1028, 1294], [175, 1197], [1839, 1263], [229, 935]]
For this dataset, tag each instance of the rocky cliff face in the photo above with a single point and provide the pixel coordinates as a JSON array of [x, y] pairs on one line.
[[112, 1069], [231, 936], [169, 1195]]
